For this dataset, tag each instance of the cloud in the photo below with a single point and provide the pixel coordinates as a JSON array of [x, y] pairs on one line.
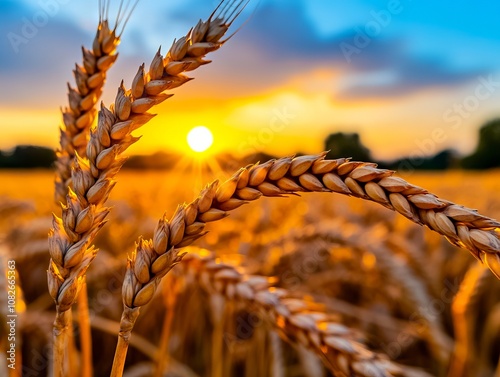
[[281, 41], [37, 51]]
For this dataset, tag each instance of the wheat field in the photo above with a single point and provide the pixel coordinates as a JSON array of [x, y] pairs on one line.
[[295, 266], [324, 249]]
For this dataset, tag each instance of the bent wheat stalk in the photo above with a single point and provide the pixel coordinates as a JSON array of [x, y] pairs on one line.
[[296, 320], [152, 259]]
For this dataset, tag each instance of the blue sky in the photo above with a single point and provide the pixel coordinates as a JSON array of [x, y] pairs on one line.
[[421, 58]]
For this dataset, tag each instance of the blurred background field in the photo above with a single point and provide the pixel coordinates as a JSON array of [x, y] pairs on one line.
[[289, 239], [412, 87]]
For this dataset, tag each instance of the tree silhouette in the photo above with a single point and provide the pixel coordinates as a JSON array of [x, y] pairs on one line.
[[487, 153], [347, 145], [27, 156]]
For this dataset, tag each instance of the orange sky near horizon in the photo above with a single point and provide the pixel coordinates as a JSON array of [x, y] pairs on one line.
[[293, 117]]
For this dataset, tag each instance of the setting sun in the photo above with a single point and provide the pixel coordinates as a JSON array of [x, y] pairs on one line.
[[200, 139]]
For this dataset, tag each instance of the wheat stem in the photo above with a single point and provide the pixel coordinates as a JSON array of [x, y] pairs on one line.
[[276, 368], [217, 311], [60, 331], [463, 310], [127, 322], [85, 332], [163, 356]]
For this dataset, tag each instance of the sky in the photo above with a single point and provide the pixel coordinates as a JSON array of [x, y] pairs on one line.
[[412, 77]]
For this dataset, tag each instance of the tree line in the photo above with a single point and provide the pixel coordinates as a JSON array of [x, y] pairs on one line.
[[485, 156]]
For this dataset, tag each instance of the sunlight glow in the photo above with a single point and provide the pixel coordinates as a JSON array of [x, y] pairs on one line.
[[200, 139]]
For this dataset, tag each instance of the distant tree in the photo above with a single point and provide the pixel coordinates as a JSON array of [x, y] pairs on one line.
[[27, 156], [487, 153], [347, 145], [155, 161], [3, 159], [445, 159]]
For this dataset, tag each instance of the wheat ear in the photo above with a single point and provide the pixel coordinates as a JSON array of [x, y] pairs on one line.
[[78, 117], [92, 178], [90, 78], [152, 259], [397, 271], [80, 114], [296, 320]]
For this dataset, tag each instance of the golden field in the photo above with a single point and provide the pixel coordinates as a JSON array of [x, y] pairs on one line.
[[363, 265]]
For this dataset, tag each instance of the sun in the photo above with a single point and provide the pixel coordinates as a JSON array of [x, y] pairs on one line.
[[200, 139]]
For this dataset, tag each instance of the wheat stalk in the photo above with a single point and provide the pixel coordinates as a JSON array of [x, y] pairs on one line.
[[92, 178], [277, 368], [152, 259], [489, 343], [7, 275], [398, 273], [296, 320], [464, 320]]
